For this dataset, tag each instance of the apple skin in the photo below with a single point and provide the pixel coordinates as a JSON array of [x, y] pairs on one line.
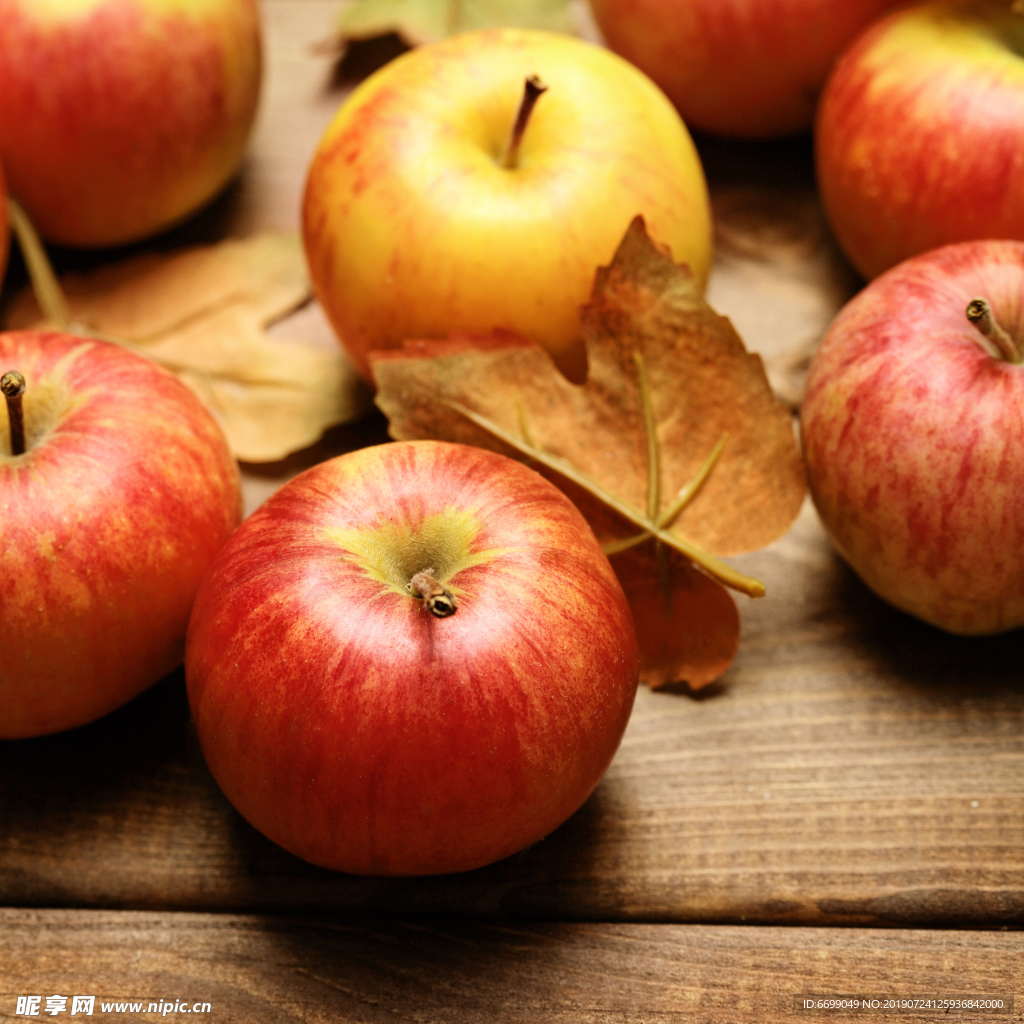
[[361, 733], [413, 228], [913, 435], [5, 235], [918, 139], [109, 521], [119, 118], [742, 68]]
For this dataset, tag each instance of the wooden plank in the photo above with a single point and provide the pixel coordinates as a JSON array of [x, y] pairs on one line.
[[854, 766], [257, 969]]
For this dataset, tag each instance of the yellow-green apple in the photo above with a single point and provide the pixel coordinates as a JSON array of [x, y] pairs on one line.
[[918, 138], [748, 68], [116, 490], [913, 430], [120, 117], [420, 218], [366, 729]]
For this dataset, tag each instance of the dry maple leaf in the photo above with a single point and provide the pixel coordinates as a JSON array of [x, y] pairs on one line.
[[426, 21], [203, 313], [674, 448]]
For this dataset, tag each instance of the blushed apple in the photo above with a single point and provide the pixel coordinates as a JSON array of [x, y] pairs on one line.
[[417, 222], [116, 490], [5, 235], [913, 431], [918, 139], [747, 68], [413, 659], [120, 117]]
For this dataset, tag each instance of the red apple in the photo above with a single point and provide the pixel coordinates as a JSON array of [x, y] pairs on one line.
[[109, 519], [749, 68], [120, 117], [918, 137], [913, 430], [416, 224], [5, 235], [363, 733]]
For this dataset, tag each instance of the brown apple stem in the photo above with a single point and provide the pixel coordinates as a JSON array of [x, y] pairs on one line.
[[979, 312], [12, 384], [438, 598], [531, 93]]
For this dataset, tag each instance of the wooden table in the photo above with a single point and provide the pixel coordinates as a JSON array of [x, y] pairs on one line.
[[842, 814]]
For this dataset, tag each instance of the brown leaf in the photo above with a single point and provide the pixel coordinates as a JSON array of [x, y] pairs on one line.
[[204, 313], [426, 21], [663, 367], [687, 624]]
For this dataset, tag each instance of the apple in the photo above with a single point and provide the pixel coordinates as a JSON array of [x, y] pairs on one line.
[[913, 433], [120, 117], [373, 720], [110, 516], [5, 235], [416, 222], [746, 68], [918, 138]]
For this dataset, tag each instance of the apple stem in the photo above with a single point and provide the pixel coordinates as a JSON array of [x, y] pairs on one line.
[[438, 598], [12, 384], [979, 312], [532, 92]]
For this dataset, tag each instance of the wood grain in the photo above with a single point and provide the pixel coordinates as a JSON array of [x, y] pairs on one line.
[[256, 969], [853, 767]]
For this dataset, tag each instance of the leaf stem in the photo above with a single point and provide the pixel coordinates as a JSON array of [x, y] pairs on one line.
[[44, 281], [651, 433], [524, 423], [685, 496], [688, 492], [533, 89], [715, 567]]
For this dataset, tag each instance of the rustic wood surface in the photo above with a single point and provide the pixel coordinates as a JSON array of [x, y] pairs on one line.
[[262, 969], [854, 767]]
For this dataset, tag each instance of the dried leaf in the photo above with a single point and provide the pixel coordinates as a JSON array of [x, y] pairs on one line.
[[687, 624], [204, 314], [426, 21], [673, 405]]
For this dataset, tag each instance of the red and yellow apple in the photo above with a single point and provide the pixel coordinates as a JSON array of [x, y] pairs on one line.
[[363, 733], [913, 431], [918, 138], [748, 68], [110, 517], [414, 226], [120, 117]]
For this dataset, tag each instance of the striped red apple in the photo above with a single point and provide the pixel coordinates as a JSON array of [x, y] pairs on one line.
[[412, 659], [120, 117], [116, 490], [746, 68], [918, 137], [913, 431]]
